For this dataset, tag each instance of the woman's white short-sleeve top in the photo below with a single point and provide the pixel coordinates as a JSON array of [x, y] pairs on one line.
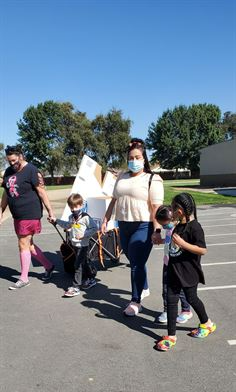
[[134, 198]]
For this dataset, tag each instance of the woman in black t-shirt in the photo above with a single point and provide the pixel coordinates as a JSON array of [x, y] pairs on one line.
[[184, 269], [24, 193]]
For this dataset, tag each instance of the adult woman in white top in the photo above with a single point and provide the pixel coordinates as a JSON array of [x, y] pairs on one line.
[[136, 197]]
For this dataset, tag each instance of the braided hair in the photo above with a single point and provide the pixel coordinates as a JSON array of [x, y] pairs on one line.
[[139, 144], [187, 203]]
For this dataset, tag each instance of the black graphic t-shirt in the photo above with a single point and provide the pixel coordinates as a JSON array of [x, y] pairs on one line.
[[23, 200], [184, 266]]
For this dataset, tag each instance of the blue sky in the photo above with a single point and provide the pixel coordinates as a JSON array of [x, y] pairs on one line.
[[138, 56]]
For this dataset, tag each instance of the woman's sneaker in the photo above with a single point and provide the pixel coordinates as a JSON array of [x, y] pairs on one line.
[[87, 284], [18, 285], [132, 309], [72, 292], [183, 317]]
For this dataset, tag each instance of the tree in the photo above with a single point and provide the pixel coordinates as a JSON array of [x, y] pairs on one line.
[[54, 136], [112, 135], [179, 134], [228, 125], [2, 157]]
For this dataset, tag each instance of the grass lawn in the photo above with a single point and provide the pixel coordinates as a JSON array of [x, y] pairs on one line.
[[173, 187]]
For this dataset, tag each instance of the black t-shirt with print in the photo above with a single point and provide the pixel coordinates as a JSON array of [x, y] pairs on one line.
[[23, 200], [184, 266]]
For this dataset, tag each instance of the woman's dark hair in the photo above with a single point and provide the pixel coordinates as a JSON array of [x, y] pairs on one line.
[[140, 145], [187, 203], [14, 150], [164, 213]]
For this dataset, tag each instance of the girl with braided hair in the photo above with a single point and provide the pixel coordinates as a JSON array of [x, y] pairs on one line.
[[184, 269]]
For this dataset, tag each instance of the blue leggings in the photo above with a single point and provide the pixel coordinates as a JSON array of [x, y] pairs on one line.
[[136, 243]]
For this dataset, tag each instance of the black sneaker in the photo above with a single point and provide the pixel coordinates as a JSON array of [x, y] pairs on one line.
[[48, 274], [88, 284]]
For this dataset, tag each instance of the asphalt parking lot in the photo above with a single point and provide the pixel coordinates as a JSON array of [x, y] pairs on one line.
[[50, 343]]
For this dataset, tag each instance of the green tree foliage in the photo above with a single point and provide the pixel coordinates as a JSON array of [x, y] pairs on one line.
[[54, 136], [229, 125], [112, 135], [2, 157], [179, 134]]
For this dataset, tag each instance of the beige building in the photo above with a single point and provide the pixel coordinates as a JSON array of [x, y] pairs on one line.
[[218, 164]]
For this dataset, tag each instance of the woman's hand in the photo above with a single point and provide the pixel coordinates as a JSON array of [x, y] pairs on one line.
[[104, 227], [178, 241], [156, 238]]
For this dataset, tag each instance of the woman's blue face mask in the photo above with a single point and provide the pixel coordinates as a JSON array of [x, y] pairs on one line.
[[136, 165], [168, 226]]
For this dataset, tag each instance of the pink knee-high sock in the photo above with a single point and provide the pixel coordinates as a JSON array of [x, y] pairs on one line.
[[25, 260], [38, 254]]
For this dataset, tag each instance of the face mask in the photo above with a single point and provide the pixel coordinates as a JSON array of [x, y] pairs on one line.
[[76, 213], [168, 226], [15, 166], [136, 165]]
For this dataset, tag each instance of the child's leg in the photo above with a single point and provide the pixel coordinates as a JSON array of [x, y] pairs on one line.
[[196, 303], [164, 287], [172, 308], [80, 257], [185, 307]]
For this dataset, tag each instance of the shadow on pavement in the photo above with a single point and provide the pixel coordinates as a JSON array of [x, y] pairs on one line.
[[113, 309]]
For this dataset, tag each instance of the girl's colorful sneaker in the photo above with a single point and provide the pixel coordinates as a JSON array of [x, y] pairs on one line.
[[203, 331], [183, 317], [166, 343]]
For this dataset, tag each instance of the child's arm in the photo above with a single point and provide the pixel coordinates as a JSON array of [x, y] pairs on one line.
[[64, 224], [187, 246]]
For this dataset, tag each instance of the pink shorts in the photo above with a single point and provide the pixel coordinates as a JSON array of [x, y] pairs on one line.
[[27, 227]]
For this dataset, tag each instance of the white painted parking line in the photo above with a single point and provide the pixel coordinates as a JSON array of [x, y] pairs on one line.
[[213, 220], [215, 214], [229, 224], [224, 243], [220, 263], [233, 286], [219, 235], [232, 342]]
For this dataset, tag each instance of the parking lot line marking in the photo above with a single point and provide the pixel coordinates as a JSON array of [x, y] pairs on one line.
[[229, 224], [220, 263], [232, 342], [216, 214], [213, 220], [219, 235], [233, 286], [223, 243]]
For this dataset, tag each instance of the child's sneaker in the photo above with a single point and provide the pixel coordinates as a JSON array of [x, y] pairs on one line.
[[72, 292], [88, 284], [203, 331], [165, 344], [162, 318], [145, 293], [18, 285], [183, 317]]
